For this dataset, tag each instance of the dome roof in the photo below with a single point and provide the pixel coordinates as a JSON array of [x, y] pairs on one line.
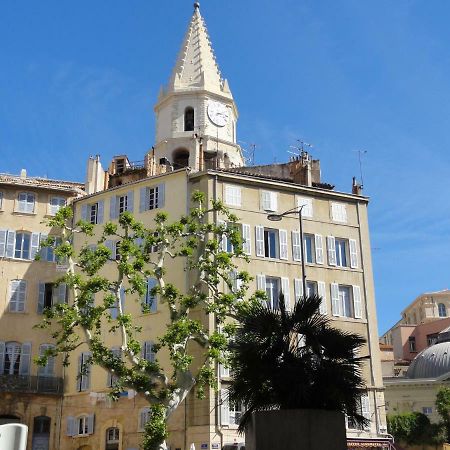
[[432, 362]]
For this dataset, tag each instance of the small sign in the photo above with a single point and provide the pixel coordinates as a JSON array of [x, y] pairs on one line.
[[215, 445], [61, 267], [204, 446]]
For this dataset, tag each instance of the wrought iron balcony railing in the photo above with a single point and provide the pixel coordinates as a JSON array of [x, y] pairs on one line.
[[31, 384]]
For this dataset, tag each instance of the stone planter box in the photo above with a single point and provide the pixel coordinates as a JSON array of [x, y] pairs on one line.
[[296, 429]]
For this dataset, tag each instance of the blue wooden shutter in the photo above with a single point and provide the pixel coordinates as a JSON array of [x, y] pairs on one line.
[[90, 424], [143, 199], [151, 300], [71, 426], [10, 242], [41, 298], [161, 195], [100, 210], [25, 358], [84, 212], [34, 245], [2, 356], [112, 208], [130, 201], [3, 234]]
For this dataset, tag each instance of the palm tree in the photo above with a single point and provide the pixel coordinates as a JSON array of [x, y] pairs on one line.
[[294, 360]]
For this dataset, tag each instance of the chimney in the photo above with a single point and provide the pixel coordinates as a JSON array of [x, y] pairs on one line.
[[23, 173], [356, 187]]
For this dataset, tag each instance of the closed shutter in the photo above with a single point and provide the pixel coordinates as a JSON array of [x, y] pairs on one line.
[[113, 208], [147, 351], [71, 426], [10, 242], [144, 417], [25, 358], [151, 300], [143, 199], [286, 292], [100, 211], [273, 201], [298, 289], [282, 234], [84, 212], [2, 356], [331, 246], [353, 254], [246, 239], [18, 295], [335, 302], [3, 234], [261, 282], [306, 203], [85, 379], [318, 241], [321, 291], [130, 201], [48, 369], [296, 246], [266, 201], [122, 299], [259, 234], [90, 424], [60, 293], [41, 298], [161, 195], [224, 407], [111, 378], [109, 244], [365, 408], [357, 303]]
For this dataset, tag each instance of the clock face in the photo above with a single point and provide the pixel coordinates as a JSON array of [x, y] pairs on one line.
[[218, 113]]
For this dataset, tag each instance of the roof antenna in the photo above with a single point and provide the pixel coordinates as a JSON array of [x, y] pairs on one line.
[[361, 152], [251, 152], [300, 149]]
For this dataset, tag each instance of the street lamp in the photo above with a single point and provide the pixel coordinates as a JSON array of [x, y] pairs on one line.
[[278, 218]]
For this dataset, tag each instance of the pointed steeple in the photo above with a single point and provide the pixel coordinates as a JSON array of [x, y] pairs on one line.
[[196, 65]]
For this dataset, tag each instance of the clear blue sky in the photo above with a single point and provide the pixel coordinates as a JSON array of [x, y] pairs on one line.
[[81, 78]]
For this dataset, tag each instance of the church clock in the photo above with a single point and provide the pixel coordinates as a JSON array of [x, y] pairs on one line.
[[218, 113]]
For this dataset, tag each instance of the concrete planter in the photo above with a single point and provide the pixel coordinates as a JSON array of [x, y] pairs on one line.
[[296, 429]]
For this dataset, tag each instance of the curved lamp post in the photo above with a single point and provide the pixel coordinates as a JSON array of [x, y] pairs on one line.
[[278, 218]]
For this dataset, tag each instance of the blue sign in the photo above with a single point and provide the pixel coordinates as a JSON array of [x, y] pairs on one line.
[[215, 445], [204, 446]]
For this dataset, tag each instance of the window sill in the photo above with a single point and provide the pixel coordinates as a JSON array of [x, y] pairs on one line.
[[17, 312], [23, 213], [348, 319]]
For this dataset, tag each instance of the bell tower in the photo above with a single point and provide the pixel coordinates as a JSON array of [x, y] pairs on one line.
[[195, 113]]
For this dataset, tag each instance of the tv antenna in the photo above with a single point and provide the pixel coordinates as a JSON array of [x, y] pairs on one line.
[[300, 147], [360, 153], [250, 150]]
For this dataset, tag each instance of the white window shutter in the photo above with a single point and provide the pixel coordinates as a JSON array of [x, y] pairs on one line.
[[2, 356], [335, 302], [122, 299], [298, 289], [365, 407], [246, 239], [224, 407], [25, 359], [286, 292], [318, 241], [224, 238], [259, 237], [273, 201], [41, 298], [224, 371], [130, 201], [357, 303], [34, 245], [147, 351], [283, 244], [143, 199], [331, 246], [265, 201], [321, 291], [161, 195], [296, 246], [61, 293], [353, 254], [113, 207], [261, 282], [90, 423], [3, 234], [100, 211], [307, 210], [10, 243], [84, 212], [43, 251], [48, 369], [71, 426]]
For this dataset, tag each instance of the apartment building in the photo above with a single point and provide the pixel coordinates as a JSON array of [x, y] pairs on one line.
[[29, 394]]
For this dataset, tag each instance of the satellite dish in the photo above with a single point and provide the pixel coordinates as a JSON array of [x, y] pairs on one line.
[[13, 436]]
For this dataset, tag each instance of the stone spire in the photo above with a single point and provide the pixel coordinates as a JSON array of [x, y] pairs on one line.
[[196, 66]]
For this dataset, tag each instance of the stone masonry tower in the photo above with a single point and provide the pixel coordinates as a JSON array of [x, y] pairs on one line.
[[195, 113]]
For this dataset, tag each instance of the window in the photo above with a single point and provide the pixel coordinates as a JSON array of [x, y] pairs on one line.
[[81, 425], [147, 351], [152, 198], [25, 202], [271, 243], [121, 203], [339, 212], [112, 379], [273, 291], [112, 439], [50, 294], [48, 253], [442, 310], [232, 195], [341, 252], [93, 212], [41, 425], [311, 288], [84, 372], [308, 241], [55, 204], [243, 230], [412, 344], [18, 291], [230, 412], [150, 301], [427, 410], [16, 358], [346, 301], [120, 165], [189, 119], [48, 369], [432, 339], [269, 201], [363, 408], [144, 417], [114, 310], [306, 203], [23, 245]]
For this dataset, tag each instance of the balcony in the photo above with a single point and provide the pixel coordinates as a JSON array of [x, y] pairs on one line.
[[31, 384]]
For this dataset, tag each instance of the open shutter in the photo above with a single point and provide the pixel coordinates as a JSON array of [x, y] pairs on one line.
[[298, 289], [122, 299], [353, 254], [151, 300], [161, 195], [3, 234], [365, 408], [259, 232], [331, 247], [34, 245], [144, 417], [246, 239], [84, 212], [130, 201], [10, 242], [85, 380], [2, 356], [90, 423], [286, 292], [283, 244], [321, 291], [60, 293], [143, 199], [79, 377], [147, 351], [296, 246], [48, 369], [335, 303], [44, 251], [41, 298], [224, 407], [100, 211], [261, 282], [357, 303], [113, 208], [25, 358], [71, 426], [109, 244], [224, 237], [318, 241]]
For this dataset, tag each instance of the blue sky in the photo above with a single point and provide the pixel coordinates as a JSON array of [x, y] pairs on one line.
[[81, 78]]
